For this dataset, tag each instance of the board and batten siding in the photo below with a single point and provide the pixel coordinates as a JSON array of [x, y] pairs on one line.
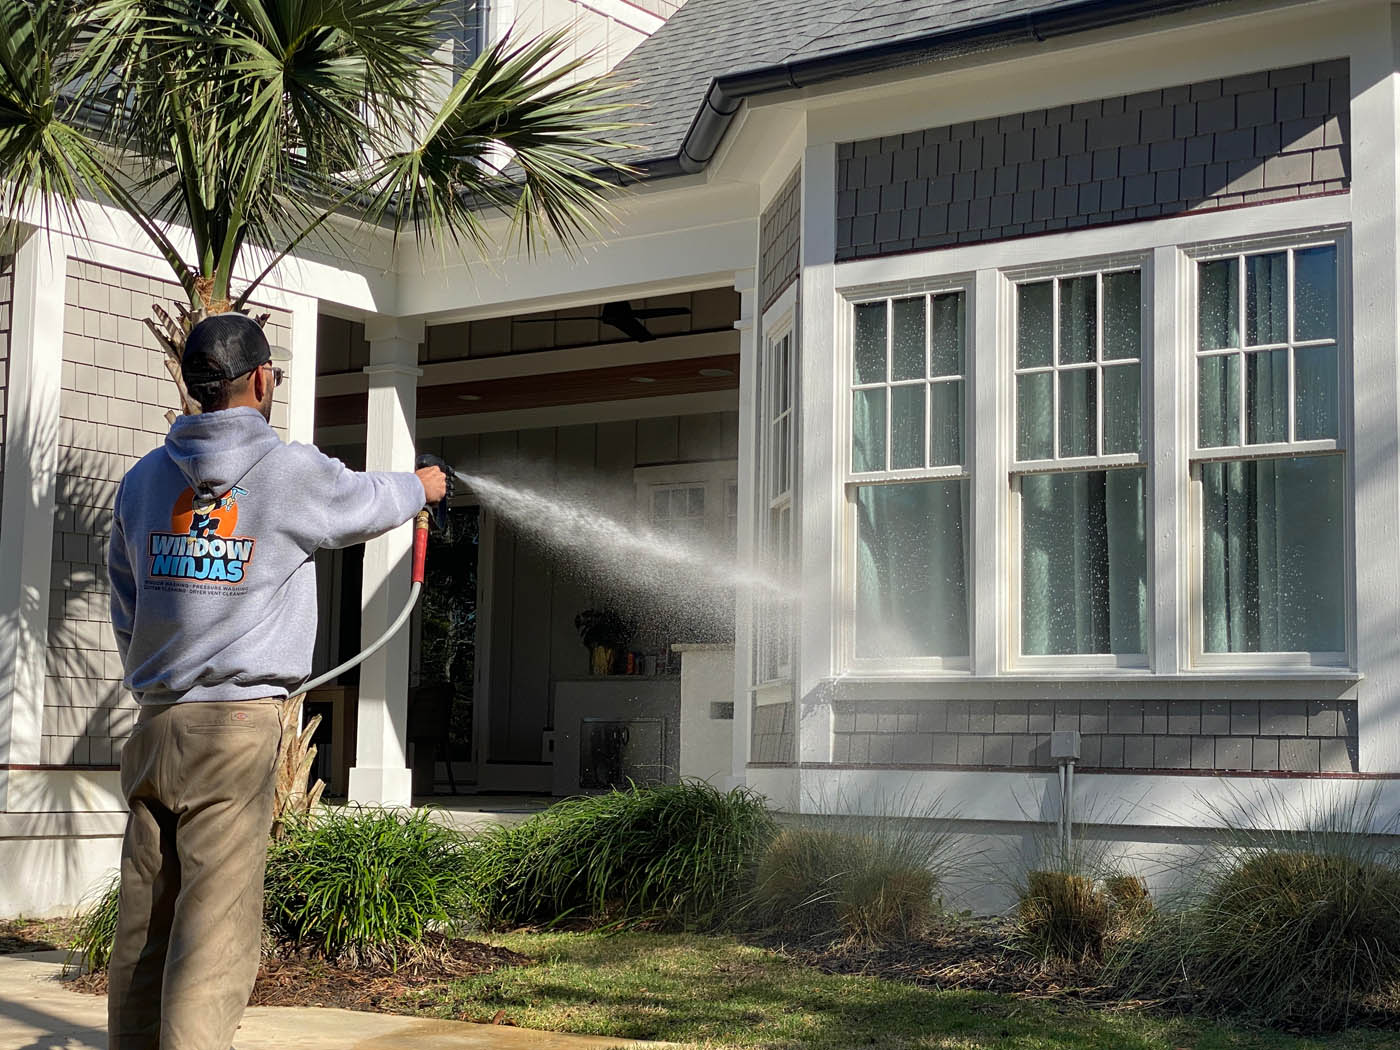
[[1226, 142], [115, 393]]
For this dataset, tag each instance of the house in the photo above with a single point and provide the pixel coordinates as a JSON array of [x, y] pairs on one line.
[[1045, 350]]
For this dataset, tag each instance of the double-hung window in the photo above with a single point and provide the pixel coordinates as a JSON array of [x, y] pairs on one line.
[[909, 483], [776, 437], [1079, 467], [1269, 465]]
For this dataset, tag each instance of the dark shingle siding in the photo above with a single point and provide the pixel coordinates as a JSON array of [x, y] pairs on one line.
[[1218, 143], [780, 240]]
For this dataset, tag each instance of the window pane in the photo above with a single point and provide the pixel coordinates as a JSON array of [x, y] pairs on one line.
[[870, 343], [1084, 562], [1034, 403], [1266, 397], [907, 347], [1218, 401], [1122, 411], [1315, 392], [1035, 321], [1273, 578], [1122, 314], [1219, 304], [1078, 319], [1315, 292], [906, 427], [868, 430], [911, 570], [945, 424], [1266, 299], [1079, 412], [697, 502], [947, 348]]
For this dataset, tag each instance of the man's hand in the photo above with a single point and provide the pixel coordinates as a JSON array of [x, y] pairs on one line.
[[434, 481]]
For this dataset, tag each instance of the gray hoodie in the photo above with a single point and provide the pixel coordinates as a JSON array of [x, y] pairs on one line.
[[221, 604]]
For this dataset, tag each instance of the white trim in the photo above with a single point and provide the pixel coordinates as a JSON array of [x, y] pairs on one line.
[[750, 342], [301, 377], [1165, 432], [31, 463], [625, 14]]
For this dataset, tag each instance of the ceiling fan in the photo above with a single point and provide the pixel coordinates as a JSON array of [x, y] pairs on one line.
[[622, 316]]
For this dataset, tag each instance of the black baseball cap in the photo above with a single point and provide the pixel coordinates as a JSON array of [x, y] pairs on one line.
[[226, 346]]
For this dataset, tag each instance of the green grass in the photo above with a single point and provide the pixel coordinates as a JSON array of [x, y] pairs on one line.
[[719, 994]]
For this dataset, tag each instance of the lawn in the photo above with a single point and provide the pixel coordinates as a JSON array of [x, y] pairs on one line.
[[717, 993]]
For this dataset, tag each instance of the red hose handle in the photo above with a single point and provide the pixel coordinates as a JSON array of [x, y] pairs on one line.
[[420, 544]]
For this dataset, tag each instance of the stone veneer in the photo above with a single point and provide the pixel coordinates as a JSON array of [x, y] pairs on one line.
[[1238, 140], [115, 392], [780, 240], [1298, 736]]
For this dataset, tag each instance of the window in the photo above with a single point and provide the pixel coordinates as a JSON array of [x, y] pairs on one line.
[[910, 487], [773, 624], [1269, 465], [1079, 466], [678, 510]]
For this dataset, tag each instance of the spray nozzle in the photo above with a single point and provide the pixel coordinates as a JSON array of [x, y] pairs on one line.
[[438, 509]]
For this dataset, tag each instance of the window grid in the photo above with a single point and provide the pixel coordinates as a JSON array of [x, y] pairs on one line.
[[1099, 367], [1244, 350], [927, 382]]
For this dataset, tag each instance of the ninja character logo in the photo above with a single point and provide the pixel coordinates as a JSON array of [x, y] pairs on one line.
[[201, 544]]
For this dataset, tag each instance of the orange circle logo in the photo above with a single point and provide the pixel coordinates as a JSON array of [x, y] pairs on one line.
[[219, 521]]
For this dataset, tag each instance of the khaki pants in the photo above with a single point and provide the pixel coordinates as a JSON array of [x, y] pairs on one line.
[[199, 781]]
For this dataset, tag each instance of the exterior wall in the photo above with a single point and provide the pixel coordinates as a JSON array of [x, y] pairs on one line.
[[7, 291], [115, 395], [1216, 143], [601, 33], [780, 241], [1298, 736]]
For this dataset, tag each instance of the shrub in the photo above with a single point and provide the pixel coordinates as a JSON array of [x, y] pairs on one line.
[[363, 884], [96, 927], [674, 854], [1063, 915], [872, 879], [1292, 929]]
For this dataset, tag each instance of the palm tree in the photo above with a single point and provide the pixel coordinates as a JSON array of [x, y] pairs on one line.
[[254, 123], [258, 124]]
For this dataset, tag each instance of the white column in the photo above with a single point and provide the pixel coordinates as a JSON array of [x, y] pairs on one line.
[[381, 775], [301, 393], [31, 462], [1375, 312], [750, 351], [818, 497]]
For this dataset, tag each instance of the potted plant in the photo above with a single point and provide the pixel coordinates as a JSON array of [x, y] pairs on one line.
[[606, 633]]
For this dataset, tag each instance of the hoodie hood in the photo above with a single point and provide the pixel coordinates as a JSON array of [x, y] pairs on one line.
[[214, 450]]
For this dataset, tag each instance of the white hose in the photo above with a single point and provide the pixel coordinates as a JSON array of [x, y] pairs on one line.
[[378, 644]]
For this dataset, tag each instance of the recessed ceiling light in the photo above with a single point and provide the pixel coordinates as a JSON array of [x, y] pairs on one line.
[[468, 397], [716, 373], [642, 379]]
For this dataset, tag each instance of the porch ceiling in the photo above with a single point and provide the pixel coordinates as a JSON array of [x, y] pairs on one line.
[[583, 386]]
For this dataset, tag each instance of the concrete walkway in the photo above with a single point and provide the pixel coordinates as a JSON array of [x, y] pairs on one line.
[[38, 1013]]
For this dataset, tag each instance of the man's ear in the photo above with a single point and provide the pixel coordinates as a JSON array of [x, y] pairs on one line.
[[260, 382]]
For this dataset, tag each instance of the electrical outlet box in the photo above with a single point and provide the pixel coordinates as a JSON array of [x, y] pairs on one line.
[[1064, 745]]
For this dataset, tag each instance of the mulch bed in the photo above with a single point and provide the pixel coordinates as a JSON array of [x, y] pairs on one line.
[[301, 980], [33, 935]]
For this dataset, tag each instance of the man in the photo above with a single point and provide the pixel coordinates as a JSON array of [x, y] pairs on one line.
[[214, 609]]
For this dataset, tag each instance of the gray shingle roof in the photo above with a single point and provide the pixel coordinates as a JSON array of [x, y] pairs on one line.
[[669, 74]]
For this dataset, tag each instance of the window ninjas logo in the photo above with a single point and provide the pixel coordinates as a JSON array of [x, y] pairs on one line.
[[201, 545]]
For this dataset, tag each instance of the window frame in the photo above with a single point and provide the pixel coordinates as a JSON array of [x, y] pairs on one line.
[[1014, 660], [779, 323], [850, 480], [1196, 455]]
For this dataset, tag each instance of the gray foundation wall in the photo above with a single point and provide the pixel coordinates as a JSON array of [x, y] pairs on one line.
[[1226, 142], [1295, 736]]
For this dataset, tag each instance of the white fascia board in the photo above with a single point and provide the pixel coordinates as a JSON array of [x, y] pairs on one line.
[[1209, 42], [1156, 800], [549, 362], [656, 238], [552, 416]]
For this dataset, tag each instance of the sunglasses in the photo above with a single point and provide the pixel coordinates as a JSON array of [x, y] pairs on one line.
[[278, 374]]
